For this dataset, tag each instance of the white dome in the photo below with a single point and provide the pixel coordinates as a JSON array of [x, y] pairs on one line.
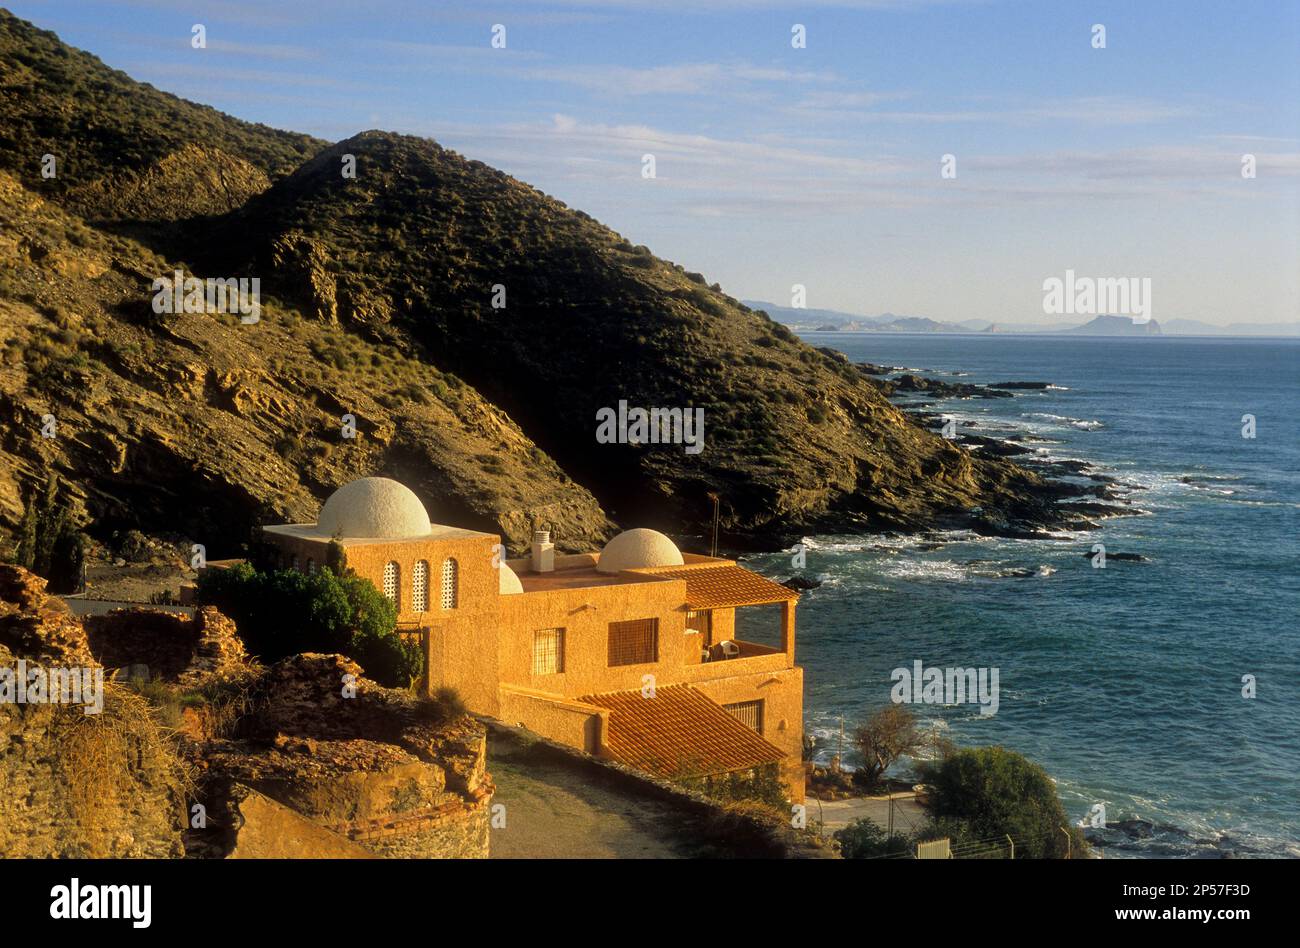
[[373, 507], [638, 549], [507, 582]]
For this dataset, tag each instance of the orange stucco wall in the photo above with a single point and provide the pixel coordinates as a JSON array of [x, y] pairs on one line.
[[569, 722], [460, 642]]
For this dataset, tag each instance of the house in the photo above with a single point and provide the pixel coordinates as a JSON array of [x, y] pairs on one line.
[[629, 653]]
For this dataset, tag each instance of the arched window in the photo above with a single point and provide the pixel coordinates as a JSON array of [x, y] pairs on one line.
[[392, 583], [449, 583], [420, 586]]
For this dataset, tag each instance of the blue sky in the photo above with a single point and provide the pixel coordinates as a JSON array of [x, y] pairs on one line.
[[816, 166]]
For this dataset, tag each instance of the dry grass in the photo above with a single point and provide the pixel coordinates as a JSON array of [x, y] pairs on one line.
[[106, 756]]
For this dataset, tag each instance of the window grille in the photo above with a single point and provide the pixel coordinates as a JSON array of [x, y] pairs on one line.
[[420, 586], [633, 643], [449, 571], [748, 713], [548, 651], [392, 585]]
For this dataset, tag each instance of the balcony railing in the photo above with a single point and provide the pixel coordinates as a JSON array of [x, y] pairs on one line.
[[719, 653]]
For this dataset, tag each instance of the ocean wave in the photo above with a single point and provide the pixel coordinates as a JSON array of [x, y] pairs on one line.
[[910, 569], [1082, 424]]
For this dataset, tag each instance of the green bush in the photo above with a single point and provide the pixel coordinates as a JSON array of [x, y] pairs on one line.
[[866, 839], [987, 793], [284, 612]]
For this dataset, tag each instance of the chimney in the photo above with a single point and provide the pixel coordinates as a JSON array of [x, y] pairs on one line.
[[543, 552]]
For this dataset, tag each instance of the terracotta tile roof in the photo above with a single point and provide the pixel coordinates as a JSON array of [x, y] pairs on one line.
[[679, 732], [712, 587]]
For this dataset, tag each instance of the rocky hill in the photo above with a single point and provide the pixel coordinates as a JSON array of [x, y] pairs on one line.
[[1116, 326], [198, 425], [378, 301]]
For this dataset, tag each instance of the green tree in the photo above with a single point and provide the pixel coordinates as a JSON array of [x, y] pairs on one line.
[[48, 543], [988, 793], [286, 612]]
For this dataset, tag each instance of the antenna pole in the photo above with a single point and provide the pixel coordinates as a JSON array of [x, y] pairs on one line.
[[713, 550]]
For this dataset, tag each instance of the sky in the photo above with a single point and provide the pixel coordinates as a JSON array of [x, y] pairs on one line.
[[819, 166]]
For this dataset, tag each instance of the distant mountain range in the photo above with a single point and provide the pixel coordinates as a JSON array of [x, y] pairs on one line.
[[837, 321], [833, 320]]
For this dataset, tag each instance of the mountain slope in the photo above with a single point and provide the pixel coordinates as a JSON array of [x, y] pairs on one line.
[[796, 439], [377, 301], [108, 132], [198, 425]]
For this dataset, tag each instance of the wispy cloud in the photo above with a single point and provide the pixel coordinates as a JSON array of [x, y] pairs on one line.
[[1092, 110], [702, 175]]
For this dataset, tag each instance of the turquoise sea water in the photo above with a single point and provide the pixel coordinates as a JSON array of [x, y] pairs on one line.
[[1125, 683]]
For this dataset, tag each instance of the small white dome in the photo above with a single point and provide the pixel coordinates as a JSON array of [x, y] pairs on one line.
[[638, 549], [507, 582], [373, 507]]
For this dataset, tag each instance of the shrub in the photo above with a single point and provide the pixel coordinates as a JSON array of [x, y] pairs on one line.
[[866, 839], [987, 793], [445, 704], [761, 786], [285, 612]]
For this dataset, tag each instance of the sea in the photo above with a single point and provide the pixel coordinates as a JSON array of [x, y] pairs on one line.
[[1128, 684]]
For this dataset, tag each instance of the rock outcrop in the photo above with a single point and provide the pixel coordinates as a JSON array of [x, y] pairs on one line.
[[364, 762], [199, 426], [37, 626], [304, 759]]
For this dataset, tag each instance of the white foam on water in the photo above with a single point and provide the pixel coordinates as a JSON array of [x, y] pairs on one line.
[[1059, 421], [942, 570]]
